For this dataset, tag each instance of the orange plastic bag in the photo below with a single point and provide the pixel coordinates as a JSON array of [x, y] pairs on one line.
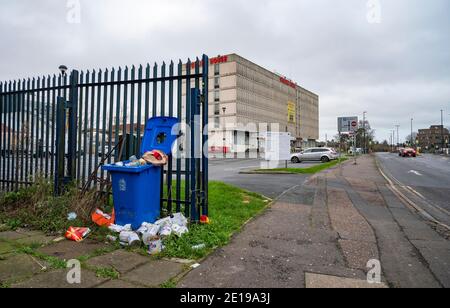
[[77, 234], [102, 219]]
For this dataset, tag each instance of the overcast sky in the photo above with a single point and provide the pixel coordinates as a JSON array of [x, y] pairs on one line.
[[392, 61]]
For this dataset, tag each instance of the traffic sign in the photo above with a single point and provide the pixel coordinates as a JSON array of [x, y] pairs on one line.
[[347, 124]]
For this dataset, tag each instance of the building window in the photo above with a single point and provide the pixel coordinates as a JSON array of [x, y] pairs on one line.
[[216, 82], [216, 122], [217, 69], [217, 96], [217, 109]]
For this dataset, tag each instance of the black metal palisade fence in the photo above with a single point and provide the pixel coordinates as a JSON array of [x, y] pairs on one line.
[[105, 112]]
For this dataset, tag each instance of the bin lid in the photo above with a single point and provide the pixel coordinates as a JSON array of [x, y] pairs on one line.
[[158, 135]]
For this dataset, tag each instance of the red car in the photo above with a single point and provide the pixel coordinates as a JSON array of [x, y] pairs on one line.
[[408, 152]]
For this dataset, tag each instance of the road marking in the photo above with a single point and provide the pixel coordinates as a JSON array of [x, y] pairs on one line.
[[415, 172], [408, 201], [415, 191], [429, 202]]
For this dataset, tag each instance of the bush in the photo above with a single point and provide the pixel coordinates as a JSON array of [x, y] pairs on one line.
[[35, 207]]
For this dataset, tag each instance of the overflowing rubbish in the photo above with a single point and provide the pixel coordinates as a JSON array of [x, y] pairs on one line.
[[155, 158], [166, 231], [72, 216], [118, 229], [179, 230], [77, 234], [152, 235], [111, 238], [102, 219], [155, 247], [199, 247], [204, 220], [137, 163], [129, 238], [136, 183]]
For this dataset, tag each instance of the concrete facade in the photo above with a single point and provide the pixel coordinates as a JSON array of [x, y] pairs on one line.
[[246, 99]]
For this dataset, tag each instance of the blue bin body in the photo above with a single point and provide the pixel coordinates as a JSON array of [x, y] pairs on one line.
[[137, 190]]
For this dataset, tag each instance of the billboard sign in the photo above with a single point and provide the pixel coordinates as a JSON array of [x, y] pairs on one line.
[[278, 146], [348, 124], [292, 114]]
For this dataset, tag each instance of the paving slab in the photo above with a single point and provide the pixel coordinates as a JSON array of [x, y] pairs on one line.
[[316, 281], [40, 239], [154, 273], [118, 284], [29, 232], [121, 260], [67, 250], [6, 248], [58, 280], [11, 235], [358, 253], [18, 267]]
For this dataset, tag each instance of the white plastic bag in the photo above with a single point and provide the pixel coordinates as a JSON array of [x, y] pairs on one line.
[[164, 222], [119, 229], [165, 231], [179, 219], [150, 235], [179, 230]]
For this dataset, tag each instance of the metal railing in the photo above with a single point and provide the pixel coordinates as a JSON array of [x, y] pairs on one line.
[[107, 109]]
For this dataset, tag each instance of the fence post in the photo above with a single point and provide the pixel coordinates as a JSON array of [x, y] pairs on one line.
[[195, 140], [205, 136], [73, 114], [60, 145]]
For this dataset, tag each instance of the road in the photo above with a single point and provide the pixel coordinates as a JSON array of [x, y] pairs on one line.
[[424, 180], [228, 171]]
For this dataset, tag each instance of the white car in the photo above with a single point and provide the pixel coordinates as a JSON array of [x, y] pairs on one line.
[[315, 154]]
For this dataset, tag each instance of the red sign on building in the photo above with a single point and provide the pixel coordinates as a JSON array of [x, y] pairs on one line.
[[212, 61], [288, 82]]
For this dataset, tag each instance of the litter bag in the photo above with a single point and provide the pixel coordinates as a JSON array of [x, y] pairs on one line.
[[77, 234], [102, 219]]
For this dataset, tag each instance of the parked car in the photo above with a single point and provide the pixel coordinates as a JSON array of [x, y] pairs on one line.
[[315, 154], [408, 152]]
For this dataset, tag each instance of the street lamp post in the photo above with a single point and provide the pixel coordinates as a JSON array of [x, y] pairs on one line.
[[412, 120], [365, 135], [398, 135], [442, 132], [224, 150]]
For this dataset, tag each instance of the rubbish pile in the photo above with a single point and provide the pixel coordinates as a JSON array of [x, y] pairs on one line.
[[155, 158], [152, 235]]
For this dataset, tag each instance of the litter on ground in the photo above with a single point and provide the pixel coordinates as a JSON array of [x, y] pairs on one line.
[[152, 234], [77, 234]]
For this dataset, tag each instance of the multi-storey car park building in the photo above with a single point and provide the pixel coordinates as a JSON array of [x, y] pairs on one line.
[[246, 99]]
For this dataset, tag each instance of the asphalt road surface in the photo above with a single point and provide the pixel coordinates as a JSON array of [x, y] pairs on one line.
[[228, 171], [424, 180]]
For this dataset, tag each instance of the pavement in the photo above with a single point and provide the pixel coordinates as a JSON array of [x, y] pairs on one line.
[[29, 259], [323, 231]]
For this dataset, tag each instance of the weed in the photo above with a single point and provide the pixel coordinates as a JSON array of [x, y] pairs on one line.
[[107, 272]]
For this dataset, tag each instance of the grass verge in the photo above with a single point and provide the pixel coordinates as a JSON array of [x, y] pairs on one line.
[[311, 170], [230, 208], [36, 208]]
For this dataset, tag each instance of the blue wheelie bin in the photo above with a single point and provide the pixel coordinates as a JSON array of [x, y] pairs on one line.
[[137, 190]]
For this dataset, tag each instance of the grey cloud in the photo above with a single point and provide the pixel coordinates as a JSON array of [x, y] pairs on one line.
[[395, 70]]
